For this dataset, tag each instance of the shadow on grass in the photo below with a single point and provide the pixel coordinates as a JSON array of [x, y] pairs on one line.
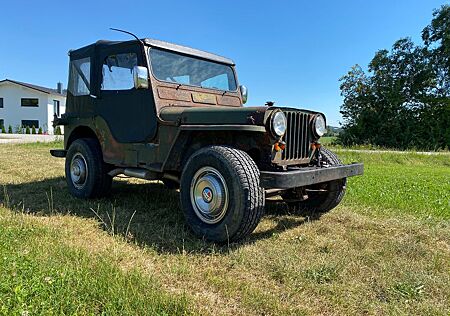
[[146, 213]]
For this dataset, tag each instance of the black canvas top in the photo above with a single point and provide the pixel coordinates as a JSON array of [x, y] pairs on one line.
[[89, 50]]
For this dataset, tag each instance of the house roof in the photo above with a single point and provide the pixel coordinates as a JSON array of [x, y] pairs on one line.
[[35, 87]]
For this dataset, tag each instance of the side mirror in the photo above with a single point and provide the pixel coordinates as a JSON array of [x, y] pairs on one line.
[[140, 77], [244, 93]]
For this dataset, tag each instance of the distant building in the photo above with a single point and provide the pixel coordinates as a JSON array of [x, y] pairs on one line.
[[23, 104]]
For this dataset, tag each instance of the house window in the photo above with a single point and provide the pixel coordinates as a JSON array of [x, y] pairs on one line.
[[29, 102], [56, 107], [2, 123], [118, 72], [1, 102], [30, 123]]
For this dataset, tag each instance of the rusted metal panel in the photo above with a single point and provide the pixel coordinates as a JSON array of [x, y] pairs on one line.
[[168, 94], [174, 94], [131, 158], [229, 100], [205, 98]]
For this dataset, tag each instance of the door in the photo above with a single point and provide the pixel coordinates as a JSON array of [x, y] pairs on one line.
[[129, 112]]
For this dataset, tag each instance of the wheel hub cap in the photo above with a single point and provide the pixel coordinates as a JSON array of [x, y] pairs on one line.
[[209, 195], [78, 170]]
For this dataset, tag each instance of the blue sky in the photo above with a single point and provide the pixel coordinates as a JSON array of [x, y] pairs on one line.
[[290, 52]]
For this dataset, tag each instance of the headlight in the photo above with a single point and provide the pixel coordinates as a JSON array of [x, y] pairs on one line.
[[279, 124], [320, 127]]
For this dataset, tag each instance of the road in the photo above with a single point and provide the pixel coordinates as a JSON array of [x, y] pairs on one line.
[[430, 153], [27, 138]]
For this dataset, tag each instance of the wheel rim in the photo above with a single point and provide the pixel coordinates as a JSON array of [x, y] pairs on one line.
[[209, 195], [78, 171]]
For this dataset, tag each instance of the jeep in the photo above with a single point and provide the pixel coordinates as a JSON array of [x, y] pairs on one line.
[[154, 110]]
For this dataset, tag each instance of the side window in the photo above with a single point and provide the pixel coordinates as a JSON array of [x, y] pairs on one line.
[[80, 76], [118, 72]]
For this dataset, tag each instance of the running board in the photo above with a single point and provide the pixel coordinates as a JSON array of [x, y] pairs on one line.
[[135, 173]]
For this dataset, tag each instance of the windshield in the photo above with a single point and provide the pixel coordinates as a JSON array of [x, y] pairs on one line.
[[173, 67]]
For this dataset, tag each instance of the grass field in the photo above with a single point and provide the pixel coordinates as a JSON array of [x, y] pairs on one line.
[[384, 250]]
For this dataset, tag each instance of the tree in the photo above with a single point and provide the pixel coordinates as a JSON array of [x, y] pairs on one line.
[[403, 101], [3, 129], [10, 131], [58, 131], [33, 130], [27, 130], [40, 131]]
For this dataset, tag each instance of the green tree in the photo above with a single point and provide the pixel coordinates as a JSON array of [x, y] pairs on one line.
[[10, 131], [40, 131], [403, 100], [3, 129], [58, 131], [27, 130], [33, 130]]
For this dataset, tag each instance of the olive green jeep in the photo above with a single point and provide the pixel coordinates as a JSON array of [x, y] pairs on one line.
[[159, 111]]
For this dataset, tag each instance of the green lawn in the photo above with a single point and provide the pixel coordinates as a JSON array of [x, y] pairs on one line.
[[43, 273], [384, 250], [327, 140], [413, 184]]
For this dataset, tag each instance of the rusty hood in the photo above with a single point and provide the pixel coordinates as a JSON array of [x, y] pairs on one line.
[[216, 115]]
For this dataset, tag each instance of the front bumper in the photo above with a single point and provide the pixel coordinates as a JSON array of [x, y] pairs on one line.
[[306, 176]]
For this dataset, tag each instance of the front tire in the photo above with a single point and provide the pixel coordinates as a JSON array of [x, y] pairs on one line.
[[322, 197], [220, 194], [86, 173]]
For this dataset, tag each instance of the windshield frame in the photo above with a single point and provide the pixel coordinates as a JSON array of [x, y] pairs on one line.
[[194, 57]]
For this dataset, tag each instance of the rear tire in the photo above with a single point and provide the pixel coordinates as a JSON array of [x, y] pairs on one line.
[[329, 197], [86, 173], [220, 194]]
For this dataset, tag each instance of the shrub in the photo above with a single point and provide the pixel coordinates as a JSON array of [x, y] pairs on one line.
[[40, 131], [3, 130], [58, 131], [33, 130], [9, 129], [27, 130]]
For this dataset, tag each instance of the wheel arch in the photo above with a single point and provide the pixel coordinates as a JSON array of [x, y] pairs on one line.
[[250, 142], [81, 131]]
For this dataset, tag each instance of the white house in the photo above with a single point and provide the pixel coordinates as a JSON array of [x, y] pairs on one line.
[[24, 104]]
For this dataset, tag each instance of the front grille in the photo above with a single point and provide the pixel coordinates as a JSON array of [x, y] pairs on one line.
[[297, 137]]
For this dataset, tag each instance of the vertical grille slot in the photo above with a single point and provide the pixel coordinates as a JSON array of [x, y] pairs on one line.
[[297, 136]]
